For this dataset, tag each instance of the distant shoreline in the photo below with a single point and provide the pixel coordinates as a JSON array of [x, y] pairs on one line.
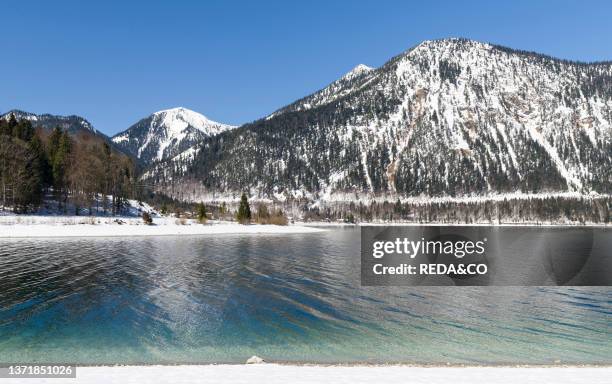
[[436, 224], [42, 226], [15, 226]]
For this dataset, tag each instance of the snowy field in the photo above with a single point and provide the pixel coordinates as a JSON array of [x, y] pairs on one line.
[[289, 374], [19, 226]]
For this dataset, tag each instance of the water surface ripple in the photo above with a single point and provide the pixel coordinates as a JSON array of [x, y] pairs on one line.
[[284, 297]]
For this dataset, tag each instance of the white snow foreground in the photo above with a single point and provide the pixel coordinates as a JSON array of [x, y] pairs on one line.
[[296, 374], [82, 226]]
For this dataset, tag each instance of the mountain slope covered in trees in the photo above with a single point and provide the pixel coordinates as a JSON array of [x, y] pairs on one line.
[[77, 127], [42, 166], [72, 124], [449, 117]]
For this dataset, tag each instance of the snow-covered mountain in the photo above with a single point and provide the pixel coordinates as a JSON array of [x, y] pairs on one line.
[[450, 117], [166, 134], [72, 123], [355, 78]]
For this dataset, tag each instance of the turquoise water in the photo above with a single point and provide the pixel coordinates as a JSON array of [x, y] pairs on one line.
[[283, 297]]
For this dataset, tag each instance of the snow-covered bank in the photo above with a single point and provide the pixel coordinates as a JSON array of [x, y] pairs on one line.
[[31, 226], [413, 224], [78, 226], [526, 224], [281, 374]]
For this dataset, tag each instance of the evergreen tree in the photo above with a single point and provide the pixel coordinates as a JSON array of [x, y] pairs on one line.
[[53, 143], [244, 210], [4, 129], [19, 178], [41, 161], [201, 212], [12, 122], [59, 167], [22, 130]]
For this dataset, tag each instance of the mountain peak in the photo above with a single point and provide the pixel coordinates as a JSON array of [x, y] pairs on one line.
[[450, 45], [179, 118], [166, 133], [449, 41], [175, 110], [358, 70]]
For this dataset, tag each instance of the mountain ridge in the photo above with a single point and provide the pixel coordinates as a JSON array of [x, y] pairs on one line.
[[71, 123], [77, 126], [446, 117]]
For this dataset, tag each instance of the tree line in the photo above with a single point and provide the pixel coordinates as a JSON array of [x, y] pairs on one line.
[[78, 173], [551, 209]]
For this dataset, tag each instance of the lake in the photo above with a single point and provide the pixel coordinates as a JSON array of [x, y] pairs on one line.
[[296, 297]]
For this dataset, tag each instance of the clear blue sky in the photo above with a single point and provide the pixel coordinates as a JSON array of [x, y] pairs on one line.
[[116, 62]]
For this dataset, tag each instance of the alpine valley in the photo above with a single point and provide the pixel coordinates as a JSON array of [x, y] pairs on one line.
[[451, 130], [450, 120]]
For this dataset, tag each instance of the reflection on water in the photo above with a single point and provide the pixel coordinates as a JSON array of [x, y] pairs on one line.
[[282, 297]]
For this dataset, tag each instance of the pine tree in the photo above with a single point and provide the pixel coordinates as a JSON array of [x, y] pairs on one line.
[[53, 143], [4, 128], [107, 179], [201, 213], [41, 161], [12, 122], [59, 167], [25, 130], [18, 175], [244, 210]]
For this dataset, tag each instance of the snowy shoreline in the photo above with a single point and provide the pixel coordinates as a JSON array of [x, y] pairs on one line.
[[413, 224], [41, 226], [277, 373], [81, 226]]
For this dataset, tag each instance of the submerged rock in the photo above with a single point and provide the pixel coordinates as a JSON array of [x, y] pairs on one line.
[[255, 360]]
